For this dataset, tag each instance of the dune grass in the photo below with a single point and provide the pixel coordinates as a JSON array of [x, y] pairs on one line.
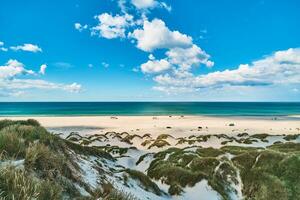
[[146, 182], [20, 185]]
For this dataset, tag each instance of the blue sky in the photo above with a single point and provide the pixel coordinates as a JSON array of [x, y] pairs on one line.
[[149, 50]]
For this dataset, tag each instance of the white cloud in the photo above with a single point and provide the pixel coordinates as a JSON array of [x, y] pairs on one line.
[[150, 35], [135, 69], [151, 57], [104, 64], [155, 35], [3, 49], [186, 58], [80, 27], [144, 4], [64, 65], [173, 90], [74, 87], [149, 4], [14, 80], [111, 27], [122, 5], [22, 84], [289, 56], [181, 56], [167, 7], [155, 66], [43, 69], [281, 68], [1, 46], [27, 47], [4, 93], [13, 68]]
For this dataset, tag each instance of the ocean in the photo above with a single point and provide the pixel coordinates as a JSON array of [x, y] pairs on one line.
[[148, 108]]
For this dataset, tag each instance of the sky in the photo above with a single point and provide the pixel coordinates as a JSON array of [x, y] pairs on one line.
[[149, 50]]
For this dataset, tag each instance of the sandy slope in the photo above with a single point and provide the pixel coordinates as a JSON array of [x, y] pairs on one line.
[[177, 125]]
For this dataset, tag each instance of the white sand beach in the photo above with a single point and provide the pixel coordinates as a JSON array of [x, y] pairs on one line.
[[174, 125]]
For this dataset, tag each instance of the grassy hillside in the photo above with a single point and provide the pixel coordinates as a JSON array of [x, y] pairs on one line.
[[38, 165]]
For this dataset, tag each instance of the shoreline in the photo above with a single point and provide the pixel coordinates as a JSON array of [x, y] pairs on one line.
[[176, 125]]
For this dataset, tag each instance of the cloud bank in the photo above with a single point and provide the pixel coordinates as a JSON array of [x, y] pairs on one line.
[[15, 78], [27, 47], [280, 68]]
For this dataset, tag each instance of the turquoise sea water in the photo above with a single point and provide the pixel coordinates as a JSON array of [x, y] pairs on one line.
[[149, 108]]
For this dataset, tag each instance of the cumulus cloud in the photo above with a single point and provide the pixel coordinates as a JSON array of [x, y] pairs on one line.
[[280, 68], [27, 47], [155, 66], [144, 4], [186, 58], [1, 46], [80, 27], [43, 69], [156, 35], [110, 26], [149, 4], [181, 54], [13, 68], [15, 78]]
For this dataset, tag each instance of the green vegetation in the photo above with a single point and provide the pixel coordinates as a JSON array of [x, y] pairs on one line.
[[144, 180], [270, 173], [291, 137], [108, 192], [35, 164], [159, 143], [163, 136], [260, 136], [209, 152], [243, 134], [175, 189], [18, 184], [180, 168], [11, 145]]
